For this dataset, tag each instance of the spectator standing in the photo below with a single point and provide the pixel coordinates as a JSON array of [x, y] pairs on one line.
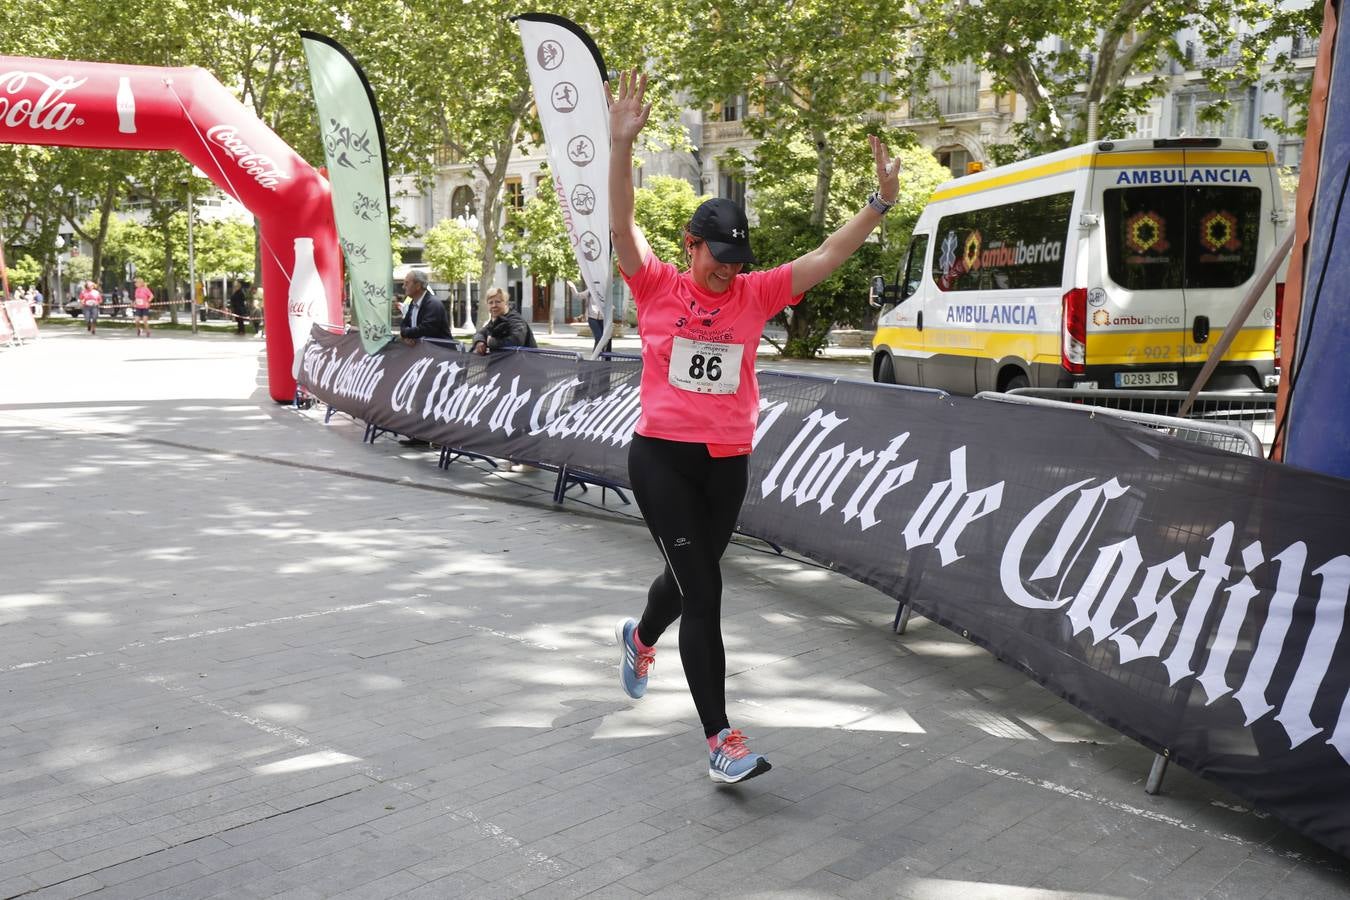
[[239, 307], [505, 329], [140, 307], [595, 314], [423, 315], [90, 300], [35, 299]]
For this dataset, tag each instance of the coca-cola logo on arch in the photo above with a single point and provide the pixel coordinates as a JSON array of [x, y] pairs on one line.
[[260, 167], [48, 111]]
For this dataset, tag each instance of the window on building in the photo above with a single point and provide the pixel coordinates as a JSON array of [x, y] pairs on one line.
[[1237, 121], [1146, 123], [1291, 154], [954, 158], [882, 78], [731, 187], [733, 108], [1306, 46], [515, 193], [462, 202], [956, 90]]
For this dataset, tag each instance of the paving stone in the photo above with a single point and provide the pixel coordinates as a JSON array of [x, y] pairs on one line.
[[291, 664]]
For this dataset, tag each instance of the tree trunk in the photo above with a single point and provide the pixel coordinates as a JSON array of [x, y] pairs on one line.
[[170, 288], [492, 214], [824, 176], [104, 216], [1026, 81], [802, 319]]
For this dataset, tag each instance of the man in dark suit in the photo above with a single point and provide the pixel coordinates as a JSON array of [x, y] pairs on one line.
[[423, 314]]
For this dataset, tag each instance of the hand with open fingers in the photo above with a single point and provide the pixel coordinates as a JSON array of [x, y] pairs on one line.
[[627, 113], [888, 170]]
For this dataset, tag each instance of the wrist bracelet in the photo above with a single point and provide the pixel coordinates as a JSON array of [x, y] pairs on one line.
[[881, 206]]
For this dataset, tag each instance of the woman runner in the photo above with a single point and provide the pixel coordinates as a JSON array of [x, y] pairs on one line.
[[688, 462]]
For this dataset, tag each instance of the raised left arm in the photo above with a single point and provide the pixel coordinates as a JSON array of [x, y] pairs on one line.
[[810, 269]]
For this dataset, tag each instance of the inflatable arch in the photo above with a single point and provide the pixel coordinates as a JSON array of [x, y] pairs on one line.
[[100, 105]]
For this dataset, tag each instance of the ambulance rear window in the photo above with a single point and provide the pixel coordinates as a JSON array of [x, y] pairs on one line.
[[1173, 236]]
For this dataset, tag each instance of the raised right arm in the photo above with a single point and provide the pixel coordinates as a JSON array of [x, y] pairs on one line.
[[627, 115]]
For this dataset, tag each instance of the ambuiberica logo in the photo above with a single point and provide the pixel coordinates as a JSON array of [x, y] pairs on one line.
[[1105, 319]]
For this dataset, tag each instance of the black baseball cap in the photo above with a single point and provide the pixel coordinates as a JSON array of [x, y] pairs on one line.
[[722, 225]]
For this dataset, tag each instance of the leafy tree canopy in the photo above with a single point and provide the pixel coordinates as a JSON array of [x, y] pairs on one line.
[[1061, 56], [785, 232], [453, 250], [662, 207], [538, 238]]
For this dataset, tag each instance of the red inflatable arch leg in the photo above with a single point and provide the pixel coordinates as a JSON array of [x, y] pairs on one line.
[[100, 105]]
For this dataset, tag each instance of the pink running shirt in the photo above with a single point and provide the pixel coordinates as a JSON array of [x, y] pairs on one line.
[[90, 298], [670, 305], [143, 297]]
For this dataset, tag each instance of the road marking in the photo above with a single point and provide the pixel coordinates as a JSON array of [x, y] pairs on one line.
[[210, 632]]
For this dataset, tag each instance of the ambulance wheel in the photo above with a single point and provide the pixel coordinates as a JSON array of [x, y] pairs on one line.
[[1017, 381], [886, 370]]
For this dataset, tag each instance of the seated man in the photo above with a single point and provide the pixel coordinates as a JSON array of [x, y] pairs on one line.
[[505, 329], [423, 314]]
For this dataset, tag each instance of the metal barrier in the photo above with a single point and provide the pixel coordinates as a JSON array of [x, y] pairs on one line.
[[1252, 411], [1210, 424]]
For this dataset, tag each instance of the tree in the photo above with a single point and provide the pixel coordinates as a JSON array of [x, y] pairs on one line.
[[224, 248], [662, 207], [25, 272], [785, 232], [808, 73], [538, 239], [453, 249], [469, 67], [1104, 53]]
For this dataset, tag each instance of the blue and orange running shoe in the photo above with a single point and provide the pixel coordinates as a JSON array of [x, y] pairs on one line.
[[633, 663], [732, 761]]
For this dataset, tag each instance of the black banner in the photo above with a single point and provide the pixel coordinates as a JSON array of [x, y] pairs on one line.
[[1190, 598]]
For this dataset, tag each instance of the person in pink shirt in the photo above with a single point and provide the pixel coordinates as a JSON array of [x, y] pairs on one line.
[[90, 298], [689, 459], [140, 306]]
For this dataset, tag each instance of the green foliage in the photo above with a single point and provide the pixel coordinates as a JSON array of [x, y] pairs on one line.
[[221, 249], [538, 241], [25, 272], [453, 250], [77, 269], [1102, 49], [785, 232], [662, 207]]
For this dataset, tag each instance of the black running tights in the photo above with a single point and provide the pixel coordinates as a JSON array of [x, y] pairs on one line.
[[690, 501]]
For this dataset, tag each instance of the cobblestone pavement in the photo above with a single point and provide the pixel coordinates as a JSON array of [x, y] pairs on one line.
[[243, 654]]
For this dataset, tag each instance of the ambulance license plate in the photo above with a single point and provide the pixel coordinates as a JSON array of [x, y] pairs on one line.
[[1146, 379]]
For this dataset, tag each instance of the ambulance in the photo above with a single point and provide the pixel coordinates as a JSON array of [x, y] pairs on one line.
[[1115, 264]]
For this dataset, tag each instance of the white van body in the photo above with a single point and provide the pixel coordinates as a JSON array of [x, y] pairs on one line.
[[1106, 265]]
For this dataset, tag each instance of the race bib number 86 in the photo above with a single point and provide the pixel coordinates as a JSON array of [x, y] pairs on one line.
[[705, 367]]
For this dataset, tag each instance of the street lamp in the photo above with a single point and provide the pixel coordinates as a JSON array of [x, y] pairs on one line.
[[470, 221], [192, 263], [58, 299]]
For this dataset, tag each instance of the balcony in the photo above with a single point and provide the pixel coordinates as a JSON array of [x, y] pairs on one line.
[[1305, 48], [722, 132]]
